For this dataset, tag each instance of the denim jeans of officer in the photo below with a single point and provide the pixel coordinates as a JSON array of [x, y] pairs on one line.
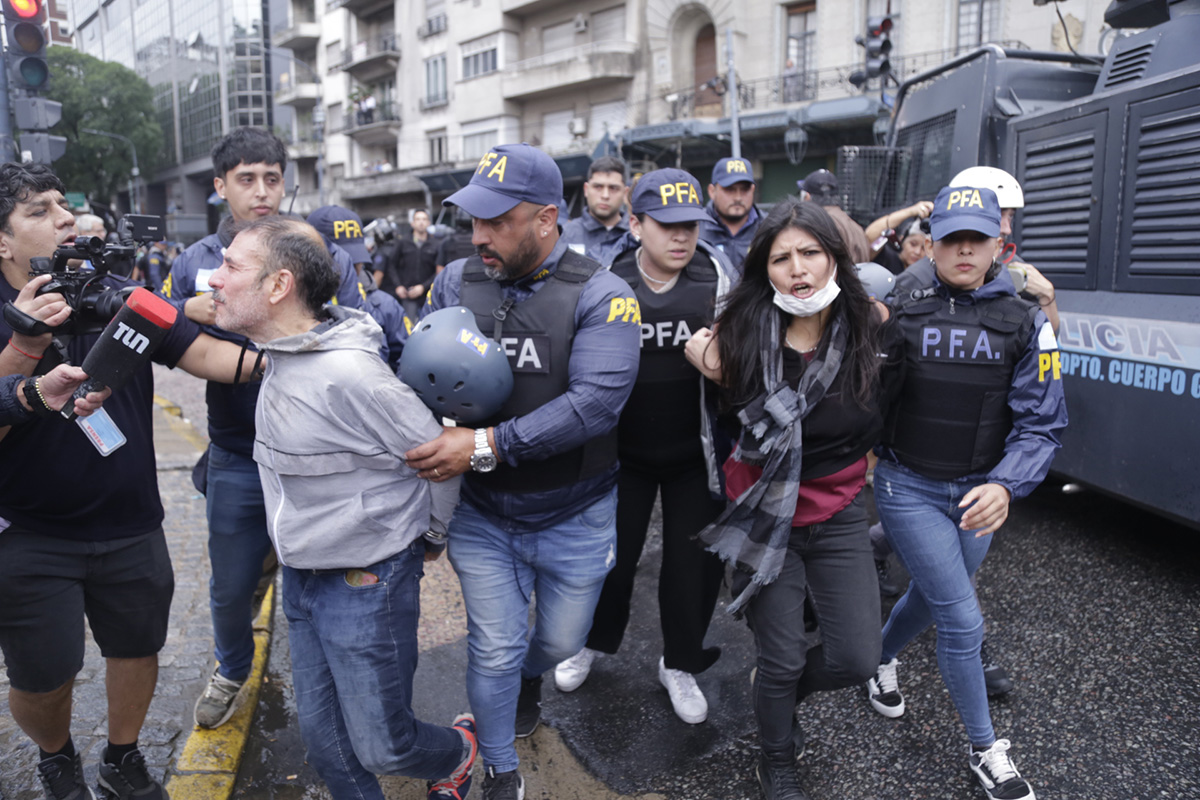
[[354, 652], [921, 518], [564, 566], [829, 566], [237, 544]]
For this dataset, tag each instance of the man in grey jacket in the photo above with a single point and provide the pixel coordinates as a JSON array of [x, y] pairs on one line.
[[350, 521]]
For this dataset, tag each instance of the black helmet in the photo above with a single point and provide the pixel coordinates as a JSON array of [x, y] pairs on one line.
[[456, 370]]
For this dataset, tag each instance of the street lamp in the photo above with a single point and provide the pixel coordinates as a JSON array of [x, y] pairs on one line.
[[134, 173], [318, 119]]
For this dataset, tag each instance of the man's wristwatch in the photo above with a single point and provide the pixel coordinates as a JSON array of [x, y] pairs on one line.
[[483, 459]]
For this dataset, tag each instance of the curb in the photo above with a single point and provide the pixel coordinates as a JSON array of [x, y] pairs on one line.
[[207, 767]]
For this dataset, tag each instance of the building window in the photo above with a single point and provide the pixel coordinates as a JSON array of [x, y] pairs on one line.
[[435, 79], [437, 147], [609, 25], [476, 144], [800, 53], [978, 22], [479, 57]]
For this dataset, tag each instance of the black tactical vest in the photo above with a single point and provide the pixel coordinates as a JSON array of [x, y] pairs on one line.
[[661, 422], [952, 416], [536, 335]]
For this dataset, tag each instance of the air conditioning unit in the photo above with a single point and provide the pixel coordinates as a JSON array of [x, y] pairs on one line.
[[578, 126], [581, 23]]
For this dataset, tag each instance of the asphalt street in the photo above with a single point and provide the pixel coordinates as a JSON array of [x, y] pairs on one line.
[[1092, 605]]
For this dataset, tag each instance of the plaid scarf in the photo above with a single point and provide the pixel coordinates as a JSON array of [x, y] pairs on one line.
[[752, 533]]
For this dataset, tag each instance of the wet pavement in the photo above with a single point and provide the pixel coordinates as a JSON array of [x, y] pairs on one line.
[[1093, 606]]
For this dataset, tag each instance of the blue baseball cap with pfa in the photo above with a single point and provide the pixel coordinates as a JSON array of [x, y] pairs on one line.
[[509, 174], [344, 228], [668, 196], [729, 171], [963, 208]]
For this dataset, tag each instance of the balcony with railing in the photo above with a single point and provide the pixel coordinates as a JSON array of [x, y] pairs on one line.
[[303, 144], [297, 90], [302, 32], [382, 181], [380, 125], [592, 63], [362, 8], [793, 87], [433, 26], [372, 58]]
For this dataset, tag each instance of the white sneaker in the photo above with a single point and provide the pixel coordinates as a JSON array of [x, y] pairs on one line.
[[884, 690], [686, 697], [997, 775], [570, 674]]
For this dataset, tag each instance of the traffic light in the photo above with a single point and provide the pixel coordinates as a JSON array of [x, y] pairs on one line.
[[38, 115], [24, 22], [878, 44]]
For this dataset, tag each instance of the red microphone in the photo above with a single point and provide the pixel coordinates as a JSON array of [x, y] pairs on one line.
[[125, 345]]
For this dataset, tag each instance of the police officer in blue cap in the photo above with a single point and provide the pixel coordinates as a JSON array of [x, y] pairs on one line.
[[732, 216], [677, 280], [974, 423], [343, 227], [538, 507]]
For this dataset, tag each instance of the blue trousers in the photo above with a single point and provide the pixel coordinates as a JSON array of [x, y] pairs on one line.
[[921, 519], [565, 566], [354, 652], [237, 544]]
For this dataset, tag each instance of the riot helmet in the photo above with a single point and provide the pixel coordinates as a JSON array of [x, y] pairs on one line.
[[1007, 190], [456, 370]]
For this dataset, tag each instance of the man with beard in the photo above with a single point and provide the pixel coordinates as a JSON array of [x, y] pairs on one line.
[[538, 510], [733, 218], [604, 221]]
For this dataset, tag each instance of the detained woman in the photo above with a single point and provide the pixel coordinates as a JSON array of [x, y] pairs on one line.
[[973, 425], [795, 355]]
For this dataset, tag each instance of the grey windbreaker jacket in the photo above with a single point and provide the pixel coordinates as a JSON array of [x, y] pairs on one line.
[[333, 425]]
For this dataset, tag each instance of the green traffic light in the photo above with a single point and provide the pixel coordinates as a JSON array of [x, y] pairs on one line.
[[34, 72]]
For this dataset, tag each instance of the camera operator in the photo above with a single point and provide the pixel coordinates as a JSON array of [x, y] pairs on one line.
[[92, 544]]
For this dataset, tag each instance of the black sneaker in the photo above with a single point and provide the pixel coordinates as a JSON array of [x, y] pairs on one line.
[[997, 775], [777, 777], [994, 675], [62, 778], [503, 785], [129, 780], [529, 707], [884, 691]]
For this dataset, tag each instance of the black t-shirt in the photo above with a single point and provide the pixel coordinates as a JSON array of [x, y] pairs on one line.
[[54, 482]]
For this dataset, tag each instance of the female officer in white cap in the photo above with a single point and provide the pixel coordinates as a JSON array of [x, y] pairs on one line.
[[973, 422]]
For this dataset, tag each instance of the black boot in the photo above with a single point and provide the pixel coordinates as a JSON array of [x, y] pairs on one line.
[[777, 776], [529, 707], [994, 676]]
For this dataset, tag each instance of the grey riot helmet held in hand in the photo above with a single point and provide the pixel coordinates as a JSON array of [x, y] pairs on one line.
[[456, 370]]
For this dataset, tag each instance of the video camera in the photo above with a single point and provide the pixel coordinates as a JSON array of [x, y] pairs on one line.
[[93, 304]]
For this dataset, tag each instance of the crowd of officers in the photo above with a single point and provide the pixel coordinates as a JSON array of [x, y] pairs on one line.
[[609, 321]]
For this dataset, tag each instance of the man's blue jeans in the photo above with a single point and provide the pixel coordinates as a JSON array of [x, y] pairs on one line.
[[921, 518], [237, 544], [565, 566], [354, 652]]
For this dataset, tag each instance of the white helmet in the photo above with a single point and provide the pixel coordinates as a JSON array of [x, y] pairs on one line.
[[1008, 191]]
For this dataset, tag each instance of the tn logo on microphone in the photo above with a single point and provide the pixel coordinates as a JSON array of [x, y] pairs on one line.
[[130, 338]]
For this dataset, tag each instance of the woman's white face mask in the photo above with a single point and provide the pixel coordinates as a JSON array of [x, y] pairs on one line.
[[815, 303]]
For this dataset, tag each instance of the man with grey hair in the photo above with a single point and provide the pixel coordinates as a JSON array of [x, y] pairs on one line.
[[90, 225], [350, 522]]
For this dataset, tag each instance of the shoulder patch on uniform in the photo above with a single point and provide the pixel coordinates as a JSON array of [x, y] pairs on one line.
[[1046, 338]]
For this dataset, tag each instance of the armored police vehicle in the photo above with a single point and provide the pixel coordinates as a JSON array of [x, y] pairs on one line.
[[1107, 152]]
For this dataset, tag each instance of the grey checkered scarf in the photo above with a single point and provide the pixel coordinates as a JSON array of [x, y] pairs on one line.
[[752, 533]]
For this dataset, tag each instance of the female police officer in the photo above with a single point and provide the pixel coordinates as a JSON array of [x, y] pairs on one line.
[[973, 424], [676, 280]]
